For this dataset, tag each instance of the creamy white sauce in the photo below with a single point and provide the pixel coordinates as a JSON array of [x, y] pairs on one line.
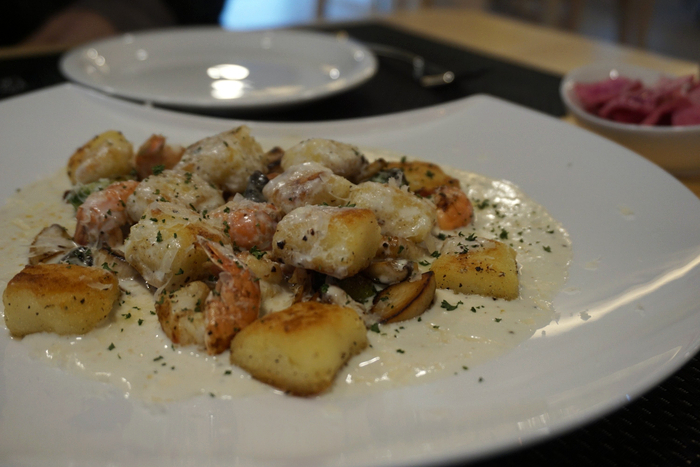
[[130, 350]]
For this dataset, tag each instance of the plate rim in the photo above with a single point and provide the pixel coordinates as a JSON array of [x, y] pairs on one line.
[[414, 116], [368, 66]]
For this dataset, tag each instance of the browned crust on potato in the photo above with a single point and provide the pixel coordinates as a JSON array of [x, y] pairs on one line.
[[60, 298]]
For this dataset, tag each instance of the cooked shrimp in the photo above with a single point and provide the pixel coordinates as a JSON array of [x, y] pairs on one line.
[[153, 153], [454, 209], [249, 223], [102, 217], [233, 304]]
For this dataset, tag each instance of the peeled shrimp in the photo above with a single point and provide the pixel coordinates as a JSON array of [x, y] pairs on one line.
[[153, 153], [454, 209], [249, 223], [102, 217], [233, 304]]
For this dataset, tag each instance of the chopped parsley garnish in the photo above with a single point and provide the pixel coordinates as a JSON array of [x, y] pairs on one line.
[[449, 307], [158, 169], [258, 253]]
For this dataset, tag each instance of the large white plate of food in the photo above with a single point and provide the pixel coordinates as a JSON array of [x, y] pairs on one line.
[[409, 289], [209, 67]]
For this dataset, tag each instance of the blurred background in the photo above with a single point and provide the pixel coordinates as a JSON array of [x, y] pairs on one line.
[[669, 27]]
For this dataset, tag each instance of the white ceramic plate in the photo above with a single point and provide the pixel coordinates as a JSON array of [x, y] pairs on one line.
[[213, 68], [629, 315]]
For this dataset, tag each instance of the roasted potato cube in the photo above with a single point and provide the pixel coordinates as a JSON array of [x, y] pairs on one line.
[[181, 313], [60, 298], [484, 267], [300, 349], [107, 155], [163, 245], [339, 242], [400, 213], [423, 177]]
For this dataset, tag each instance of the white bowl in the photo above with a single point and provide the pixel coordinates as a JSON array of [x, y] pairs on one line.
[[676, 149]]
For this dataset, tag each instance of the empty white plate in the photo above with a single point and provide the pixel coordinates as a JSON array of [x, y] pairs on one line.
[[213, 68]]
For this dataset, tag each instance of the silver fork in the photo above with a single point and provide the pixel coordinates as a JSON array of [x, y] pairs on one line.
[[417, 62]]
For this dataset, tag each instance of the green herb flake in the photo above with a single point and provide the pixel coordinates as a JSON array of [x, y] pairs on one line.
[[258, 253], [449, 307]]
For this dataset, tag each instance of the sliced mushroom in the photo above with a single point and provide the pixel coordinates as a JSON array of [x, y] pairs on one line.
[[300, 280], [405, 300], [391, 271], [114, 261], [49, 243]]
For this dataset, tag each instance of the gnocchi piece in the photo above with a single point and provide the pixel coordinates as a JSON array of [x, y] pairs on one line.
[[300, 349], [181, 314], [339, 242], [163, 245], [184, 189], [226, 160], [480, 267], [343, 159], [305, 184], [424, 177], [399, 212], [59, 298], [107, 155]]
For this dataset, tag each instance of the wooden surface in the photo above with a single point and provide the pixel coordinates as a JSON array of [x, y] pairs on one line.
[[545, 48], [541, 47]]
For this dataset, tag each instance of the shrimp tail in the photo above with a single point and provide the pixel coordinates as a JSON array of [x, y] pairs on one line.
[[233, 304]]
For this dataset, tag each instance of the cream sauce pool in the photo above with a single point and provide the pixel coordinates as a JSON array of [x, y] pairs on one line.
[[458, 333]]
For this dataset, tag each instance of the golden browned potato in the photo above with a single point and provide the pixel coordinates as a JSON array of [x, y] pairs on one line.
[[336, 241], [300, 349], [482, 267], [162, 246], [423, 177], [181, 313], [60, 298], [107, 155]]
